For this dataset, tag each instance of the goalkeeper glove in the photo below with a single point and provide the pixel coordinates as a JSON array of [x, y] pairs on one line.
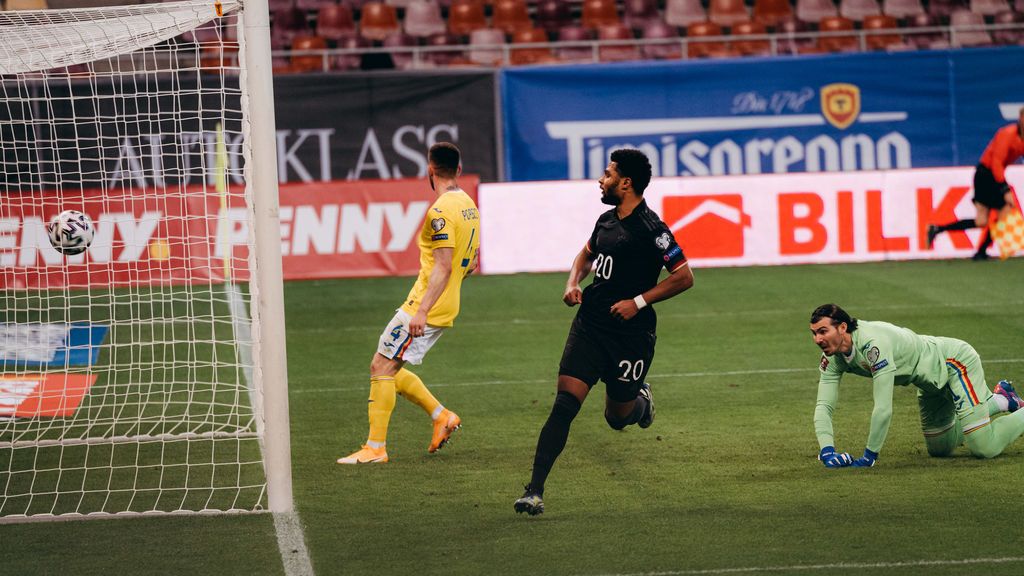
[[867, 460], [831, 459]]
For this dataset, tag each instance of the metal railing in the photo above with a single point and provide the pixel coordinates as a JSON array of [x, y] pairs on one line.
[[776, 44]]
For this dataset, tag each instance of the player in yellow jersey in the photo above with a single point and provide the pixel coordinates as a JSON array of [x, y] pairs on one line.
[[449, 242]]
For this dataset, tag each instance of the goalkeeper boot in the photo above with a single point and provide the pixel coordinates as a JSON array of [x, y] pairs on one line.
[[444, 425], [647, 418], [933, 231], [367, 455], [1005, 388], [531, 502]]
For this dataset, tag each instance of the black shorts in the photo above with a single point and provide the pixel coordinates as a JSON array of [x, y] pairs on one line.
[[987, 191], [620, 359]]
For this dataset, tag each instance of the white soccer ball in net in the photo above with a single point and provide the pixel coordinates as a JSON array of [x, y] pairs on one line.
[[70, 232]]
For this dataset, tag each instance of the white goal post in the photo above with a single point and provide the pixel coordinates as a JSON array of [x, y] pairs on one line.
[[147, 375]]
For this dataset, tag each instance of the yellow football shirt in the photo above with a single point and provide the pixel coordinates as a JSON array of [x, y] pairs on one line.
[[452, 222]]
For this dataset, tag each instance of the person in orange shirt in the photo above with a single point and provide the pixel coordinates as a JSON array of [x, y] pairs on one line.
[[991, 191]]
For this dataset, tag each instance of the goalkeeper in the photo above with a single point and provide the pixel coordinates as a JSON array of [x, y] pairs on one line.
[[991, 191], [956, 405]]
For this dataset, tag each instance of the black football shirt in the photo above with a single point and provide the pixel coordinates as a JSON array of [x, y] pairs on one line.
[[629, 255]]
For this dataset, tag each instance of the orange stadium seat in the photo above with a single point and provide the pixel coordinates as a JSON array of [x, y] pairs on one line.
[[617, 52], [464, 16], [845, 43], [752, 47], [334, 22], [521, 56], [308, 62], [377, 21], [597, 13], [877, 22], [771, 12], [27, 5], [709, 49], [510, 15]]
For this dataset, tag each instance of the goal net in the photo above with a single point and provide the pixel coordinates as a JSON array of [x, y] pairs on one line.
[[130, 379]]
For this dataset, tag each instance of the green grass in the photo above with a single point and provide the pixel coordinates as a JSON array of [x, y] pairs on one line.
[[725, 479]]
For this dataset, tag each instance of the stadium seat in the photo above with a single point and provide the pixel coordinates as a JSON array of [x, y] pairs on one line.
[[659, 30], [520, 56], [617, 52], [750, 47], [27, 5], [943, 9], [308, 62], [989, 7], [453, 55], [682, 13], [727, 12], [1009, 37], [377, 21], [402, 59], [902, 8], [481, 46], [575, 53], [696, 48], [423, 19], [877, 22], [846, 43], [464, 16], [597, 13], [334, 22], [772, 12], [924, 40], [963, 18], [552, 15], [287, 24], [636, 14], [815, 10], [790, 38], [510, 15], [349, 61], [857, 10]]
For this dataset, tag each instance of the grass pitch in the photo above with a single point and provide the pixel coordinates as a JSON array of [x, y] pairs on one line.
[[725, 481]]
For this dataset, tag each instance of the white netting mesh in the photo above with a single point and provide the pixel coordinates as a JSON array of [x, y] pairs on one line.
[[125, 382]]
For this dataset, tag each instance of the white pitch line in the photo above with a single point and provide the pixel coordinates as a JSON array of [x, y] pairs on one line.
[[658, 376], [828, 567], [292, 544]]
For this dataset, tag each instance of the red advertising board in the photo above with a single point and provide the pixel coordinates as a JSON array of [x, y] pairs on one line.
[[143, 238]]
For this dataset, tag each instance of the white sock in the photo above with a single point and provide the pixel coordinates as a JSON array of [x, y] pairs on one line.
[[437, 411], [1002, 401]]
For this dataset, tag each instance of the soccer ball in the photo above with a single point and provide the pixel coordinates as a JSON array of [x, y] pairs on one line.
[[70, 232]]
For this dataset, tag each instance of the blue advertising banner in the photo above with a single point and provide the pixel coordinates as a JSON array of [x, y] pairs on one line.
[[988, 92], [53, 345], [752, 116]]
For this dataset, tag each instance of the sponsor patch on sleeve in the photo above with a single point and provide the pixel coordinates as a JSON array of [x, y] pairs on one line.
[[878, 366], [824, 363], [437, 237]]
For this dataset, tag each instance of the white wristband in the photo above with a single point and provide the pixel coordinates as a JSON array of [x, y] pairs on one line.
[[640, 302]]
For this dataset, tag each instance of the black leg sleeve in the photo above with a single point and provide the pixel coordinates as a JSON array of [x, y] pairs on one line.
[[552, 438]]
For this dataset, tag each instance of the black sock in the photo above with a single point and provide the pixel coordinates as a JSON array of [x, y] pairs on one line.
[[639, 407], [958, 225], [552, 438], [986, 241]]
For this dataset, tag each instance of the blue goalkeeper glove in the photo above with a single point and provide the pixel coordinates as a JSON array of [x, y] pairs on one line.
[[867, 460], [831, 459]]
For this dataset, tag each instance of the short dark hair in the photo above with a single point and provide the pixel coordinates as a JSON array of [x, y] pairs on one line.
[[633, 164], [445, 157], [836, 314]]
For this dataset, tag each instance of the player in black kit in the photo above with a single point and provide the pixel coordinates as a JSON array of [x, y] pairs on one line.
[[612, 337]]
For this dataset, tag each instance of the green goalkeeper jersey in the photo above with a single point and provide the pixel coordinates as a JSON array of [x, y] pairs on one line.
[[891, 356]]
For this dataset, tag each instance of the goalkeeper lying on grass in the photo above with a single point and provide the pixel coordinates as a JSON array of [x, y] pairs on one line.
[[956, 405]]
